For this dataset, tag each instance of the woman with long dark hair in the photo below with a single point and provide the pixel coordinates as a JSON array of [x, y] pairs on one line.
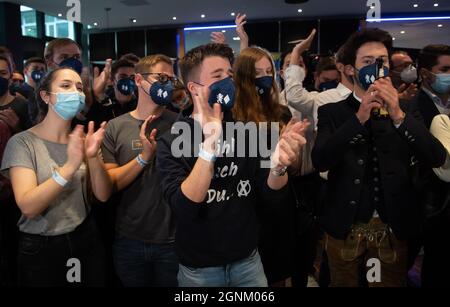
[[258, 101]]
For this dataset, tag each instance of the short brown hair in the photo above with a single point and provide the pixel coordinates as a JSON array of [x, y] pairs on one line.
[[34, 60], [326, 63], [119, 64], [194, 58], [6, 55], [428, 56], [7, 59], [130, 57], [359, 38], [57, 43], [146, 63]]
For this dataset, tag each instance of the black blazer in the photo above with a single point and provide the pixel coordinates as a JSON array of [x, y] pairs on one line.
[[342, 147]]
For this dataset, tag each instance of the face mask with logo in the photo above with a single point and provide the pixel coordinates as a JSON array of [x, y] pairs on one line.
[[264, 85], [442, 83], [126, 86], [37, 75], [161, 92], [325, 86], [368, 74], [409, 74], [4, 86], [223, 93], [68, 104], [73, 63]]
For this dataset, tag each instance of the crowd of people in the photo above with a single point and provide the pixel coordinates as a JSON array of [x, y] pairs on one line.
[[93, 169]]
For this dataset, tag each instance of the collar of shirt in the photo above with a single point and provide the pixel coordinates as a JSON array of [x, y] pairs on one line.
[[356, 97], [438, 101], [343, 90]]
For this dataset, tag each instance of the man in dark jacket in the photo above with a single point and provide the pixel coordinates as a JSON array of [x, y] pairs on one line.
[[433, 99], [371, 144]]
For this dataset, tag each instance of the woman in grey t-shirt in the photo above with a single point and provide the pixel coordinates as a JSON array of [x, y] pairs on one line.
[[51, 171]]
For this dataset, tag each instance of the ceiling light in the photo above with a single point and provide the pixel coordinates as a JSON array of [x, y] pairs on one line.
[[221, 27], [300, 10], [95, 24], [393, 38], [402, 32], [415, 5], [203, 16], [223, 31], [134, 20], [236, 38], [436, 4], [440, 26], [174, 18], [59, 15], [233, 14]]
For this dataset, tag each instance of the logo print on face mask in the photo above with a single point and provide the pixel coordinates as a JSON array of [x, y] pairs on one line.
[[370, 79], [162, 93], [223, 100]]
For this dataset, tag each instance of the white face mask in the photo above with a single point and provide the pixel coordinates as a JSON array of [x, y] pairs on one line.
[[409, 74]]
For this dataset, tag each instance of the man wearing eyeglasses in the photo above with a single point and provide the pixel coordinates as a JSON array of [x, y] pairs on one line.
[[144, 253]]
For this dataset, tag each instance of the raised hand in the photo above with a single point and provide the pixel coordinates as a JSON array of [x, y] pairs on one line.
[[291, 141], [369, 101], [301, 47], [386, 92], [210, 118], [407, 92], [101, 79], [93, 141], [241, 20], [148, 144], [218, 38], [75, 148]]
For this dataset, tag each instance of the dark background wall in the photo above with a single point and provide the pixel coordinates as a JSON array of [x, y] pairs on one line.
[[273, 35]]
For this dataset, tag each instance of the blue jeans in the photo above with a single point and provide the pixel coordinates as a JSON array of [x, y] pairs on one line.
[[140, 264], [248, 272]]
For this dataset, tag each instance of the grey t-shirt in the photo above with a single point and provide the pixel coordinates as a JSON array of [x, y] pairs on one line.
[[68, 210], [142, 213]]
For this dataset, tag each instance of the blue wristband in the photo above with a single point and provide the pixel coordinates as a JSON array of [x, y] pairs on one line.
[[207, 156], [141, 161], [59, 179]]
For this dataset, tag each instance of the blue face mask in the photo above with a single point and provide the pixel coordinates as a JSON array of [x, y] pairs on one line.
[[37, 75], [126, 86], [4, 86], [223, 93], [368, 74], [442, 83], [325, 86], [264, 85], [69, 104], [162, 92], [73, 63]]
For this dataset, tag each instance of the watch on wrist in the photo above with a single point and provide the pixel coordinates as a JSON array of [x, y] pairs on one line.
[[279, 171]]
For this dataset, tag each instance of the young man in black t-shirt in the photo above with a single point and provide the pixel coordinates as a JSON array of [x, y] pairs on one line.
[[213, 195]]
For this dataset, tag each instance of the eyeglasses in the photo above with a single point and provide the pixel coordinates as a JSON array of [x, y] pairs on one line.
[[162, 77]]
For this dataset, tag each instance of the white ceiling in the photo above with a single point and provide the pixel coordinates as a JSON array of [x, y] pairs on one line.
[[160, 12]]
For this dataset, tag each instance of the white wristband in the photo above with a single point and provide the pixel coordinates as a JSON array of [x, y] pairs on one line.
[[59, 179], [209, 157], [141, 161]]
